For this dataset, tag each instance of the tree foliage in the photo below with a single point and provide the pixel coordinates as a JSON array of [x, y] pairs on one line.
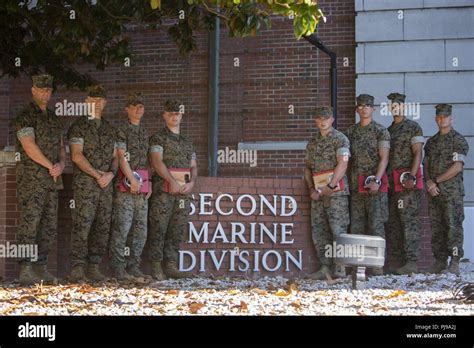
[[52, 36]]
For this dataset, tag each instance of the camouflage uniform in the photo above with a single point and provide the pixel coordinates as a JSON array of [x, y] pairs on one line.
[[329, 214], [130, 212], [93, 205], [168, 214], [446, 210], [404, 224], [37, 191], [369, 212]]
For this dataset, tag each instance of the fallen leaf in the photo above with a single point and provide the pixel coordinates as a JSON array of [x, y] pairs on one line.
[[379, 307], [296, 304], [282, 292], [260, 291], [28, 298], [194, 307], [397, 293], [243, 307]]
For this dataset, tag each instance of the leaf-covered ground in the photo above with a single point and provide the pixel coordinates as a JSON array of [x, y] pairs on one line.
[[418, 294]]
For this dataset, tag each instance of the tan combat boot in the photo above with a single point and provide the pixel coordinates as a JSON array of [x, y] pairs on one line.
[[121, 274], [77, 274], [409, 268], [157, 271], [322, 274], [340, 271], [93, 273], [393, 266], [453, 266], [135, 271], [42, 272], [171, 270], [376, 271], [27, 275], [437, 267]]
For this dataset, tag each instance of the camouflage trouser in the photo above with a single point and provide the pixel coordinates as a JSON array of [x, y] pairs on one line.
[[168, 221], [129, 228], [446, 216], [329, 218], [369, 213], [403, 229], [91, 224], [38, 220]]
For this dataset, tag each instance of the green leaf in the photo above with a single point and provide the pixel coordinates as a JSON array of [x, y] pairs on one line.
[[155, 4]]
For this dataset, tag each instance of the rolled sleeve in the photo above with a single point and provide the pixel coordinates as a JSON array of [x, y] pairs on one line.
[[156, 149], [384, 144], [461, 148], [25, 132], [121, 145], [417, 139], [460, 158], [193, 156], [76, 141], [343, 151]]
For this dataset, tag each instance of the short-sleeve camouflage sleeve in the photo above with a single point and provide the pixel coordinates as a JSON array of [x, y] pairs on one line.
[[417, 135], [461, 148], [309, 154], [75, 134], [121, 138], [24, 125], [156, 144], [343, 146], [383, 139]]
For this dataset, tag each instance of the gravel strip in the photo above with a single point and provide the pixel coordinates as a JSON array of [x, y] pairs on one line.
[[417, 294]]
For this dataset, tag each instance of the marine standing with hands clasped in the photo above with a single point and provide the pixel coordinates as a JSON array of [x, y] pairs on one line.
[[445, 155], [130, 212], [93, 151], [42, 160], [404, 173], [175, 171], [370, 145]]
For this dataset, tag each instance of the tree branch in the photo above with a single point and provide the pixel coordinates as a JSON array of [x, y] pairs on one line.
[[208, 9]]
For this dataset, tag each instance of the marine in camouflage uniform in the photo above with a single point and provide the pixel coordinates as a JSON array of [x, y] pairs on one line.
[[130, 211], [327, 150], [93, 151], [169, 212], [403, 229], [370, 144], [445, 155], [38, 177]]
